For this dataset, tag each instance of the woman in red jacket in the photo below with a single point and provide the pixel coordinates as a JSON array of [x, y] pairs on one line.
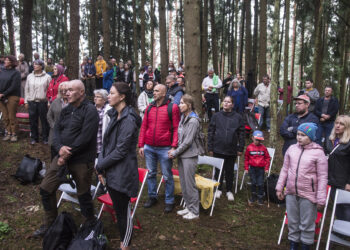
[[57, 78]]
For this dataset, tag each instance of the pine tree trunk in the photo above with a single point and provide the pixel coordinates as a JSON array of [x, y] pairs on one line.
[[302, 53], [204, 39], [275, 76], [318, 52], [293, 52], [193, 52], [2, 47], [143, 32], [170, 28], [119, 46], [248, 39], [135, 45], [106, 30], [26, 30], [10, 27], [255, 43], [93, 29], [222, 46], [262, 39], [113, 28], [177, 26], [66, 34], [213, 36], [152, 32], [74, 34], [182, 29], [234, 40], [241, 40], [163, 42], [281, 41], [285, 58]]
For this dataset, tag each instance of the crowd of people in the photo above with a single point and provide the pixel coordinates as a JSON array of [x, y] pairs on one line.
[[164, 125]]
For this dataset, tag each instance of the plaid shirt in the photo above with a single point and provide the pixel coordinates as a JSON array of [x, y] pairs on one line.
[[99, 131]]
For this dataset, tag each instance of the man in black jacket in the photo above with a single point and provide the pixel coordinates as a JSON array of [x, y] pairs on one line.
[[75, 139], [326, 109]]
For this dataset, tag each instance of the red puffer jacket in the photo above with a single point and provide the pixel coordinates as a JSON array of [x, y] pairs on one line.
[[52, 90], [156, 126], [256, 156]]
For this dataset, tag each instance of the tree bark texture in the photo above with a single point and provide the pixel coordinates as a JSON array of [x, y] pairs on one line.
[[204, 39], [74, 34], [106, 30], [262, 39], [143, 32], [255, 43], [25, 30], [285, 58], [318, 52], [93, 29], [241, 40], [2, 47], [248, 38], [152, 17], [293, 52], [192, 51], [10, 27], [214, 37], [135, 45], [162, 38]]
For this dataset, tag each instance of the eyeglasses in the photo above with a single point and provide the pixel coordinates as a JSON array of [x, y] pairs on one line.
[[98, 97]]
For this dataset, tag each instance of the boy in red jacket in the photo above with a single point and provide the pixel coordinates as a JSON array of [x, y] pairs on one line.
[[257, 158]]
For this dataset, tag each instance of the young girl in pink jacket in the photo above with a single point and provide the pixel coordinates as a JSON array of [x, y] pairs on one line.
[[305, 174]]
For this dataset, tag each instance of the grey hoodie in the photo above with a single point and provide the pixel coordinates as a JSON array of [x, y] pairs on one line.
[[189, 144]]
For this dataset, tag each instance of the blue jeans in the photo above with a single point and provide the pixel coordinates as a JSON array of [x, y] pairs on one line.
[[264, 111], [153, 155], [324, 130], [257, 180]]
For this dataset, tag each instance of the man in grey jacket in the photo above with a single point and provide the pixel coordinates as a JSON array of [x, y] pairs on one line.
[[311, 92]]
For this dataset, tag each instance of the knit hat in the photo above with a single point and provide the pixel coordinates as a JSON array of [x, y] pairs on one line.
[[258, 135], [309, 128]]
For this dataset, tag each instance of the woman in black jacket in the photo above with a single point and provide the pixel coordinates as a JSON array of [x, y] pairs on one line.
[[226, 141], [10, 92], [117, 160], [338, 148]]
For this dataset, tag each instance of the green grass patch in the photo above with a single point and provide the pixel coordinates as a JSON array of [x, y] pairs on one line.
[[4, 230]]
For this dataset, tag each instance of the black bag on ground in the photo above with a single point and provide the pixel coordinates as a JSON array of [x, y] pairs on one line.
[[28, 170], [89, 237], [60, 233], [272, 182]]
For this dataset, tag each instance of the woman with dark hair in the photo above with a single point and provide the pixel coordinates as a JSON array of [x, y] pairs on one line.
[[118, 160], [10, 92], [189, 148], [145, 98], [226, 141], [57, 78]]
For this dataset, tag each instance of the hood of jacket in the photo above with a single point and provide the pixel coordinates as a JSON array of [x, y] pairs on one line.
[[128, 110]]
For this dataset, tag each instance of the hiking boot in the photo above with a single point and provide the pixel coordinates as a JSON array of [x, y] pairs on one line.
[[168, 208], [40, 233], [252, 199], [6, 137], [183, 212], [230, 196], [14, 138], [150, 203], [218, 194], [190, 216]]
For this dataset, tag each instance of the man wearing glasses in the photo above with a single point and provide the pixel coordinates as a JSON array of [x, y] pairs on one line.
[[288, 130]]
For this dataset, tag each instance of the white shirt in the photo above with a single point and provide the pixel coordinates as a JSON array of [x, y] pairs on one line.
[[208, 82], [263, 93], [141, 79]]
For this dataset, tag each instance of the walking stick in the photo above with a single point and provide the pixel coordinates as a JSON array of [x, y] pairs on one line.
[[268, 195]]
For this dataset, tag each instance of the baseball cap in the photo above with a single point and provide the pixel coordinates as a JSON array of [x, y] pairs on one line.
[[258, 135], [303, 97]]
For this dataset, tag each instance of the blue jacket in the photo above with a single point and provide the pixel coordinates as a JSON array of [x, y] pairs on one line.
[[332, 110], [90, 69], [108, 79], [293, 121], [240, 98]]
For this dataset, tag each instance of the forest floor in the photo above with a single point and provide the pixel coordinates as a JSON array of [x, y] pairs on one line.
[[234, 225]]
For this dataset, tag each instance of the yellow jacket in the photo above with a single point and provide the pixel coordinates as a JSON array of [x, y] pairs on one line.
[[101, 66]]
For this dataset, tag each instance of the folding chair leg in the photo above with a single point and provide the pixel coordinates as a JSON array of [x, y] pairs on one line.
[[99, 214], [282, 228], [213, 204], [59, 201], [160, 183], [323, 219], [242, 181]]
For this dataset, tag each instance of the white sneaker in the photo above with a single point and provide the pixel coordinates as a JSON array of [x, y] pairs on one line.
[[218, 194], [190, 216], [230, 196], [268, 130], [183, 212]]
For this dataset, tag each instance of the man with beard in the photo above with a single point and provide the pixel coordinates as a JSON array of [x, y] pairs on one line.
[[289, 128]]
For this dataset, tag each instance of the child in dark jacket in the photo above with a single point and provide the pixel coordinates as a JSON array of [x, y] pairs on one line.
[[256, 160]]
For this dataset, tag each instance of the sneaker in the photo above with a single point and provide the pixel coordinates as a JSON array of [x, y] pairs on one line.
[[183, 212], [168, 208], [150, 203], [252, 199], [32, 142], [218, 194], [190, 216], [268, 130], [230, 196], [6, 137], [260, 202], [45, 142], [14, 138]]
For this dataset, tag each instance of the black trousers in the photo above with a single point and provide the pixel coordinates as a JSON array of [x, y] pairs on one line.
[[99, 83], [212, 101], [121, 205], [227, 171], [38, 110]]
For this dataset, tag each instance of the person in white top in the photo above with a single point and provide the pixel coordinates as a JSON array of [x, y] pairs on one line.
[[141, 75], [211, 85], [262, 94]]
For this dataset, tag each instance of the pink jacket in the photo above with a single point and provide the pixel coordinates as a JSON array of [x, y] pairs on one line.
[[305, 173]]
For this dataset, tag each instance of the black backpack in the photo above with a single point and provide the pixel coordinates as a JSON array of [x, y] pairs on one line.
[[28, 170], [89, 237], [272, 182], [60, 233]]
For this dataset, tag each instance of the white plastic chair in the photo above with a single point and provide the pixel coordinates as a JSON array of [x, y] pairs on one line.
[[216, 163], [272, 155], [339, 226]]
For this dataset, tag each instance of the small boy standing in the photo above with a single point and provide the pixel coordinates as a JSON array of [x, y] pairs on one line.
[[256, 160]]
